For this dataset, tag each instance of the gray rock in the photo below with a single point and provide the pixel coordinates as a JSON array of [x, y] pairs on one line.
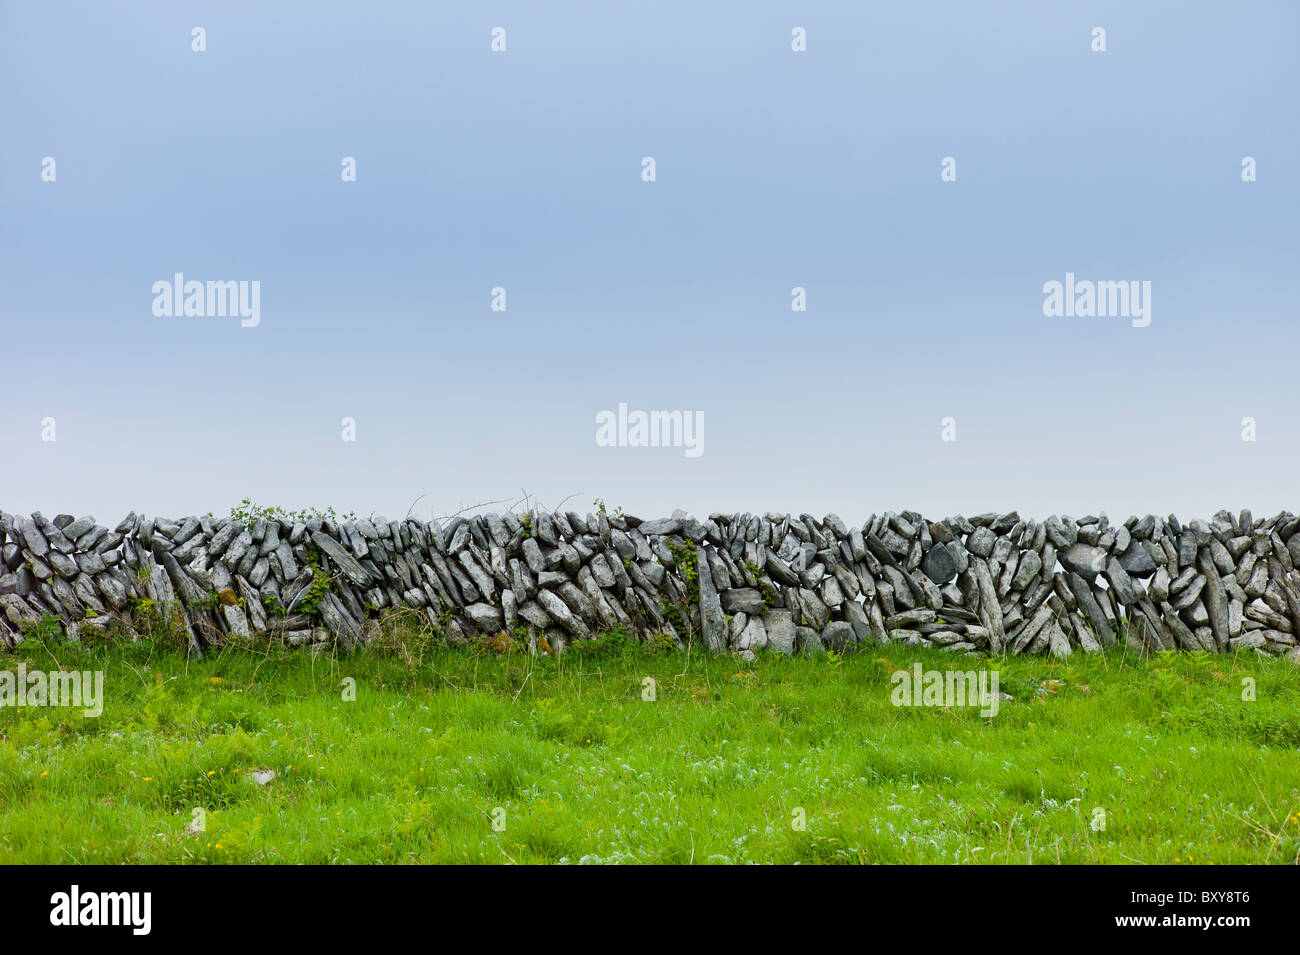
[[743, 600], [816, 613], [980, 543], [63, 565], [33, 538], [1083, 559], [658, 527], [532, 612], [990, 612], [236, 621], [713, 623], [780, 571], [808, 643], [856, 615], [753, 636], [1136, 561], [939, 565], [1215, 598], [1087, 602], [1252, 640], [559, 611], [910, 619], [485, 617], [780, 630], [1122, 585], [837, 635], [532, 554], [335, 552]]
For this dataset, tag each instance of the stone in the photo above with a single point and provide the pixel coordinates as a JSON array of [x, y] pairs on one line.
[[1092, 610], [939, 565], [910, 619], [837, 635], [33, 538], [1251, 640], [1083, 559], [236, 620], [558, 611], [533, 613], [1136, 560], [665, 526], [980, 543], [63, 565], [1027, 571], [742, 600], [808, 643], [602, 572], [485, 616], [990, 611], [1121, 584], [532, 554], [1215, 598], [816, 614], [335, 552], [713, 623], [780, 629], [1058, 643], [856, 616], [1233, 578], [753, 636]]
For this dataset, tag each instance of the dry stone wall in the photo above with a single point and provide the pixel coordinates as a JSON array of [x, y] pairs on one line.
[[995, 583]]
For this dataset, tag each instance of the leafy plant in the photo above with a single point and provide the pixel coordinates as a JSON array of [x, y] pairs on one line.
[[599, 505], [246, 512], [309, 600]]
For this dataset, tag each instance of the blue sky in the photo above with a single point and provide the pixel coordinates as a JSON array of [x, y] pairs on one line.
[[775, 169]]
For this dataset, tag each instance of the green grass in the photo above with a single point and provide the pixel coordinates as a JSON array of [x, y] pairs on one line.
[[714, 770]]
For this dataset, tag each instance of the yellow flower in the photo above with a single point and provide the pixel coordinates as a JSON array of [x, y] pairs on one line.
[[44, 774], [148, 779], [212, 772]]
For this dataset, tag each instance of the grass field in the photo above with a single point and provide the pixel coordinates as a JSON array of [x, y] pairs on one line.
[[460, 755]]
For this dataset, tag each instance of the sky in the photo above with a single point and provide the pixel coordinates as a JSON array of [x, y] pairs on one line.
[[774, 168]]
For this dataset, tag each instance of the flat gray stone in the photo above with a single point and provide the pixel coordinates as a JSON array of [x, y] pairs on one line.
[[1083, 559], [780, 631], [742, 600], [837, 635], [713, 622], [667, 525], [345, 561]]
